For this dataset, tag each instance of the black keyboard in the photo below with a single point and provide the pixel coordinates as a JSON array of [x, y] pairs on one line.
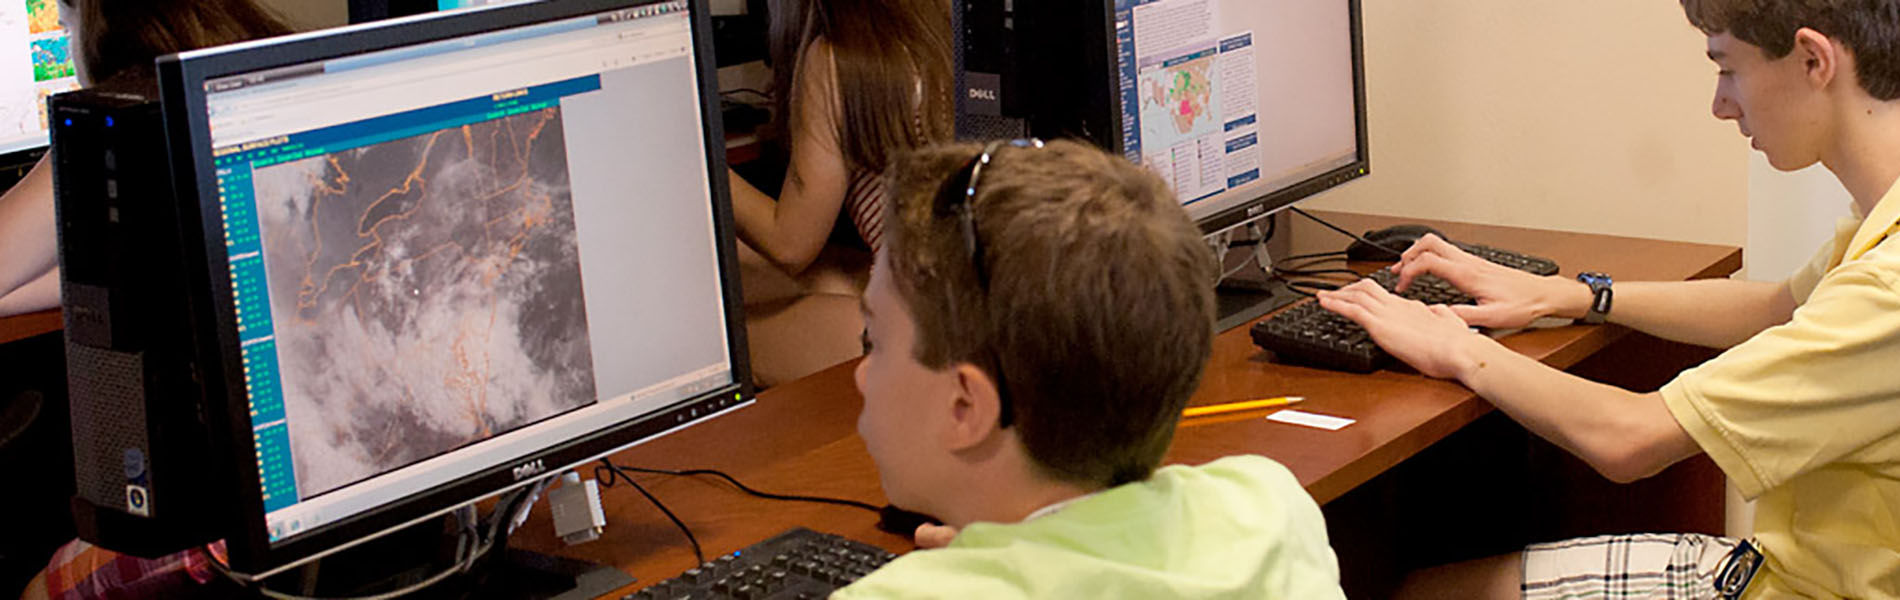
[[1523, 262], [1307, 334], [798, 564]]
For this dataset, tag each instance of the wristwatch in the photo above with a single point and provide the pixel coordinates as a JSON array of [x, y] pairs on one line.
[[1599, 296]]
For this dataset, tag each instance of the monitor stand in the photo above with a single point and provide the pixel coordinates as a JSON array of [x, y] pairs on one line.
[[1250, 289], [395, 560], [1240, 302]]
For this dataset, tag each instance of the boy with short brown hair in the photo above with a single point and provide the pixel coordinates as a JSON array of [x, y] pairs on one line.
[[1037, 323]]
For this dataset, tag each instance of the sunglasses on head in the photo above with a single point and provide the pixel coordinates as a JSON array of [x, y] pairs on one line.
[[957, 198]]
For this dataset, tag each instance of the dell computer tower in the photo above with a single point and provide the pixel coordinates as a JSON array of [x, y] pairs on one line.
[[143, 478], [1044, 69]]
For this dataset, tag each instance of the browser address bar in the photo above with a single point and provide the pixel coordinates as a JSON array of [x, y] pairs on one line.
[[240, 116]]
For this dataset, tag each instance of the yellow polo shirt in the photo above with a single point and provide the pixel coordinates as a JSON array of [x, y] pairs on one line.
[[1805, 417]]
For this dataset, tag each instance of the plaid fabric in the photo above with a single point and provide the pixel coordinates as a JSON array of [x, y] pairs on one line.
[[82, 571], [1626, 566]]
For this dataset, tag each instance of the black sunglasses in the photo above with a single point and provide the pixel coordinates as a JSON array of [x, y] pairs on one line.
[[958, 197]]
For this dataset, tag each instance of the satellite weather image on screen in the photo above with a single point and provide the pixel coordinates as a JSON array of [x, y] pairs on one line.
[[427, 294]]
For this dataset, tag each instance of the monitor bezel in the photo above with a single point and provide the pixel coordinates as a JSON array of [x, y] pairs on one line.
[[181, 87]]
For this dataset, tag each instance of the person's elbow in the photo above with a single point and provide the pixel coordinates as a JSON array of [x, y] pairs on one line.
[[793, 257], [1628, 466], [1641, 447]]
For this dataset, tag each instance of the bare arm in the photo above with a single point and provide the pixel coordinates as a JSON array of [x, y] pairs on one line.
[[1623, 435], [1715, 312], [28, 243], [1718, 313], [37, 295], [791, 230]]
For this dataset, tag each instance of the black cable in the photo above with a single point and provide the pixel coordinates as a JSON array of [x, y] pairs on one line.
[[504, 511], [1333, 255], [1347, 233], [1273, 225], [621, 473], [747, 489], [1315, 272], [755, 92]]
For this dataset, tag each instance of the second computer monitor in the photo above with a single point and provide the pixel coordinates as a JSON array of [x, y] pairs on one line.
[[1243, 106], [1233, 100], [36, 61]]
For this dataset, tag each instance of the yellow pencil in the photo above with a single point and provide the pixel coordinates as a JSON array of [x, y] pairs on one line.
[[1215, 409]]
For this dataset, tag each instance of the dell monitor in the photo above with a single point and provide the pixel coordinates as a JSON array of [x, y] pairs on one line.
[[41, 65], [441, 258], [1244, 107]]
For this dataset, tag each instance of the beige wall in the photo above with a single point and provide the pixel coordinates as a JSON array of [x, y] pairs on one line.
[[1583, 116]]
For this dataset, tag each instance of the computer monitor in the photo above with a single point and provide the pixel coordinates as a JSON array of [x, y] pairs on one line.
[[1243, 106], [364, 11], [40, 64], [445, 257]]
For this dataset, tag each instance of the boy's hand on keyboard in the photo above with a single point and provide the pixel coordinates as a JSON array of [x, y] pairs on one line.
[[1409, 330], [1507, 298]]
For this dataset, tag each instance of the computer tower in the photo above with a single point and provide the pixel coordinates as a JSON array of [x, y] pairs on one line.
[[1045, 69], [983, 39], [144, 480]]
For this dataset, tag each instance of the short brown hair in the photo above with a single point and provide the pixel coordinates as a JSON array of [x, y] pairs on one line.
[[1099, 312], [1870, 29], [121, 36]]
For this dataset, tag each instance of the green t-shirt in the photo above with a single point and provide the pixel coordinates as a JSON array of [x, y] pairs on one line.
[[1238, 527]]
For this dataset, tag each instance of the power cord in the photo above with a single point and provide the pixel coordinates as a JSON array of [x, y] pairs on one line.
[[609, 473], [1349, 234], [745, 488]]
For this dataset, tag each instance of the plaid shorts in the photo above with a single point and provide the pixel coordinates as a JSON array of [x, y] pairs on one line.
[[1626, 566]]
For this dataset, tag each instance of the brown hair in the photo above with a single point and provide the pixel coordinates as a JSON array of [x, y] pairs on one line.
[[1100, 309], [891, 64], [122, 35], [1870, 29]]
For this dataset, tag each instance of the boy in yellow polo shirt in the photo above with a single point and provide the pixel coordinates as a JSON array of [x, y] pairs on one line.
[[1037, 321], [1803, 409]]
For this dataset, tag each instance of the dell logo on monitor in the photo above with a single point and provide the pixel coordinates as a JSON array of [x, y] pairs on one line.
[[529, 469], [982, 94]]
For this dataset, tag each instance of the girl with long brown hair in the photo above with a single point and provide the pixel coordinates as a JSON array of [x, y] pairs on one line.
[[854, 82]]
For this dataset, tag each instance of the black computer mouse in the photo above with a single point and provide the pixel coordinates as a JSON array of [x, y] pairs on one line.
[[1391, 242], [902, 522]]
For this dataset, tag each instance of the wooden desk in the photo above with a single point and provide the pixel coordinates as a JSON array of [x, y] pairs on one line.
[[800, 438], [20, 327]]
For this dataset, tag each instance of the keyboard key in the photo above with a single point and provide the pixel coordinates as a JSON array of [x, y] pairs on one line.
[[800, 563], [1307, 334]]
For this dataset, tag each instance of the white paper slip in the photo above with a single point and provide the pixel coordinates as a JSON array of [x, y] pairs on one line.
[[1326, 422]]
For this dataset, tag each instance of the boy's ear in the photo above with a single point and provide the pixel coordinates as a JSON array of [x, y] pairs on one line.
[[1820, 56], [975, 410]]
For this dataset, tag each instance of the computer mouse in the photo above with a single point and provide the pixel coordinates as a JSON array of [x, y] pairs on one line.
[[1391, 242], [902, 522]]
